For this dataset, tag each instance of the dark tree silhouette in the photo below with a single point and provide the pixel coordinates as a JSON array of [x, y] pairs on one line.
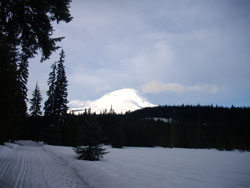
[[56, 104], [25, 28], [35, 108], [91, 137], [21, 90], [49, 106], [61, 84]]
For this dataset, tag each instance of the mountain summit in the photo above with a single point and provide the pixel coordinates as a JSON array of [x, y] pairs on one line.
[[120, 101]]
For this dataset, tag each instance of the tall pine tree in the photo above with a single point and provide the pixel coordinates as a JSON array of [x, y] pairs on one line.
[[49, 106], [21, 90], [35, 108], [56, 104], [25, 27], [8, 82], [61, 84]]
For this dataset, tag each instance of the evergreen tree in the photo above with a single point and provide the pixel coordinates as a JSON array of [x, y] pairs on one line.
[[49, 106], [61, 84], [90, 152], [91, 138], [56, 104], [21, 90], [117, 135], [8, 77], [35, 108], [25, 28]]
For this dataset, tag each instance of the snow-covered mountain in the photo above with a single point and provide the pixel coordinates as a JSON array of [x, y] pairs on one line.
[[120, 101]]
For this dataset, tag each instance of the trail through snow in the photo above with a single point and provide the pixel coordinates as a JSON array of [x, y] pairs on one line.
[[34, 167]]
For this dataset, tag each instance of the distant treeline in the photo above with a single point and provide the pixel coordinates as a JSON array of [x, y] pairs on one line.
[[167, 126]]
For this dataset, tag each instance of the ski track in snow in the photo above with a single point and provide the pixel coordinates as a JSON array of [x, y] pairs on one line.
[[34, 167]]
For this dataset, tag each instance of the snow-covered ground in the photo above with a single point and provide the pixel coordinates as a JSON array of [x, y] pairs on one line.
[[30, 166], [130, 167]]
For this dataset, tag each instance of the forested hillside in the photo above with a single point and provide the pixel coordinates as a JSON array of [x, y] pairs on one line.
[[167, 126]]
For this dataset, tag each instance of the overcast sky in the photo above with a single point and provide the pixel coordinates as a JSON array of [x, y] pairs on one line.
[[171, 51]]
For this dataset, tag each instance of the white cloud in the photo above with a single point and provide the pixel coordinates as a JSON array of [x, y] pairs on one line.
[[212, 89], [78, 103], [157, 87], [150, 61]]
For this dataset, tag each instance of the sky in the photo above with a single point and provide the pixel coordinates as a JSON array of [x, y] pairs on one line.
[[171, 51]]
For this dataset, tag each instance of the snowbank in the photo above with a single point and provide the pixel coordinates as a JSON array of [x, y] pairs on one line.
[[7, 148], [28, 143], [4, 149], [11, 145]]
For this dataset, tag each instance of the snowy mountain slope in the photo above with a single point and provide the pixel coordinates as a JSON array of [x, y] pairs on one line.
[[120, 101]]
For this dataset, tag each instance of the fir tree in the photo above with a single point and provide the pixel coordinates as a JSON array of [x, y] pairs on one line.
[[35, 108], [8, 77], [21, 90], [61, 84], [56, 104], [49, 106], [25, 27], [91, 138]]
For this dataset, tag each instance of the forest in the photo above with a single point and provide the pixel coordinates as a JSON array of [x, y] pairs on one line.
[[166, 126]]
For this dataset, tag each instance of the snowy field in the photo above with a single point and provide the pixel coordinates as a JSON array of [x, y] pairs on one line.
[[28, 165]]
